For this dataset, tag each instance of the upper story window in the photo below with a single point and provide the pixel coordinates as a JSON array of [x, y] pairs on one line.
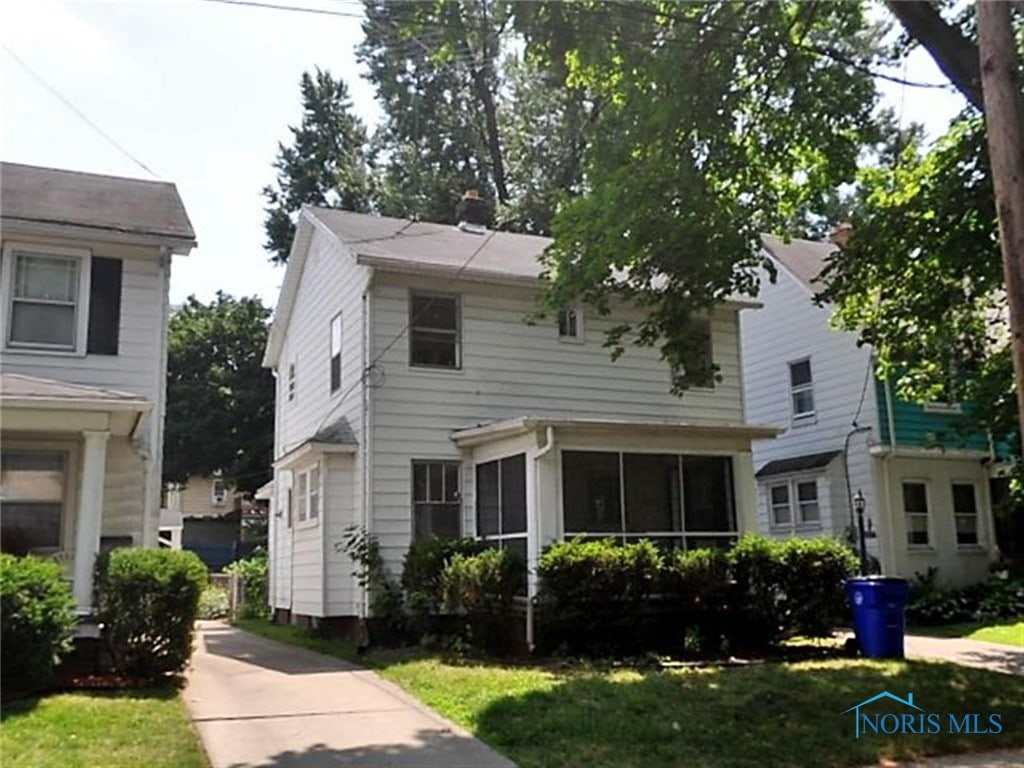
[[570, 325], [915, 512], [218, 491], [336, 337], [291, 381], [434, 331], [965, 514], [48, 299], [801, 388], [705, 357]]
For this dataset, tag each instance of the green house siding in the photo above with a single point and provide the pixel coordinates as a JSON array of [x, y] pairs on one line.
[[915, 427]]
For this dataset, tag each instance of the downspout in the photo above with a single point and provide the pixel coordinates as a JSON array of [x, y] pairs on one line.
[[366, 429], [531, 582]]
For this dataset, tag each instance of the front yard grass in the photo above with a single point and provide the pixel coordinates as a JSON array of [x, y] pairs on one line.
[[123, 729], [1006, 633], [561, 715]]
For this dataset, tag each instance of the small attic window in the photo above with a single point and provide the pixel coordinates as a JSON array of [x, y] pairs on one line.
[[570, 325]]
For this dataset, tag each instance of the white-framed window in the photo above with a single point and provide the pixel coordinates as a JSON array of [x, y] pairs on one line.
[[46, 297], [291, 382], [915, 513], [436, 499], [801, 388], [307, 494], [794, 502], [336, 338], [965, 514], [676, 501], [570, 325], [218, 491], [434, 331], [34, 494], [705, 355]]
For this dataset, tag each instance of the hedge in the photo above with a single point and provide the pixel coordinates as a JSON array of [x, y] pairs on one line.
[[147, 602], [37, 621]]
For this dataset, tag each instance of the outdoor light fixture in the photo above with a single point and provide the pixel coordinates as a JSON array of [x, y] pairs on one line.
[[858, 504]]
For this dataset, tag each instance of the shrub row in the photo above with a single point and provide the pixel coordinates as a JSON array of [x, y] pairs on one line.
[[999, 597], [600, 597], [254, 573], [146, 604]]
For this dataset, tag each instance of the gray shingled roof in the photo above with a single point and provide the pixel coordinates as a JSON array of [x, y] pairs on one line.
[[797, 464], [134, 206], [16, 385], [382, 242], [338, 433], [804, 258]]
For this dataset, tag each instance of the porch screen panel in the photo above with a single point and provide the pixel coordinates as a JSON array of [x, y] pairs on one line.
[[652, 492], [708, 501], [591, 492], [513, 494], [487, 499], [32, 495]]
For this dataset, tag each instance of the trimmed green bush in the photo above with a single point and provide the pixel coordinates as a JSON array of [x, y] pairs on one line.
[[757, 571], [423, 569], [37, 621], [487, 580], [254, 573], [147, 601], [698, 584], [594, 594], [999, 597], [811, 578]]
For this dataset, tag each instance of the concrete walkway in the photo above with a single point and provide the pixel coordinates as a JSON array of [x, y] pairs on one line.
[[256, 702], [971, 653]]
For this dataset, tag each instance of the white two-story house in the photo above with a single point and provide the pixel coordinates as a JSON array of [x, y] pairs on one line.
[[414, 399], [84, 275], [925, 484]]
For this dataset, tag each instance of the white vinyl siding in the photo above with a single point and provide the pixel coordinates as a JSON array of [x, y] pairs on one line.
[[510, 369]]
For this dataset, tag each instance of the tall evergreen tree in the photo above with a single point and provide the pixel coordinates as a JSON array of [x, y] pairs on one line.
[[326, 163]]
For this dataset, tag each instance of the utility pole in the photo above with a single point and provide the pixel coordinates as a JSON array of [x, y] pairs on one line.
[[1004, 122]]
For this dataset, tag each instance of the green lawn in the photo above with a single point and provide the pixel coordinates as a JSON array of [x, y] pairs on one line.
[[123, 729], [1007, 633], [766, 714]]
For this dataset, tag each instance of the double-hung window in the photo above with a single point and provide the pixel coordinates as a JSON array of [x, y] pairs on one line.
[[434, 331], [801, 387], [33, 490], [47, 299], [501, 503], [794, 502], [965, 514], [915, 513], [336, 337], [436, 499], [307, 495]]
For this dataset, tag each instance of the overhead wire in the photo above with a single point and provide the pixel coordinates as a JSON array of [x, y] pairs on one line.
[[78, 112]]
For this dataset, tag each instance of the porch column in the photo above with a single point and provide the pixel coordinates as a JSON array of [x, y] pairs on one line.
[[89, 519]]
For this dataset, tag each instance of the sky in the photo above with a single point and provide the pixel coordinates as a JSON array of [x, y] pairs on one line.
[[201, 93]]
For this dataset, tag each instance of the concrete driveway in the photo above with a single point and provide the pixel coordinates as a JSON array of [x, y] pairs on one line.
[[256, 702]]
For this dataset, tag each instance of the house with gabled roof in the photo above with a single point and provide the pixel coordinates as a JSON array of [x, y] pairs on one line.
[[925, 480], [84, 282], [415, 400]]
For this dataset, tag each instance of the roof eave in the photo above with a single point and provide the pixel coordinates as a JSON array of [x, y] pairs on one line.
[[75, 403], [179, 244]]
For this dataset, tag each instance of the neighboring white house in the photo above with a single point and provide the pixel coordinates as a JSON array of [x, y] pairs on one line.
[[413, 398], [926, 488], [84, 276]]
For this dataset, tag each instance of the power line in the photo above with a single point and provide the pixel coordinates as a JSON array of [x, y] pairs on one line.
[[294, 8], [85, 118]]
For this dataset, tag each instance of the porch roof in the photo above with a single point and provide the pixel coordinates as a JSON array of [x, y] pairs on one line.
[[20, 391], [485, 433], [336, 437], [797, 463]]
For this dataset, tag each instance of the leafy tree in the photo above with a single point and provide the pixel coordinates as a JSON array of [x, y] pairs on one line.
[[720, 121], [325, 165], [220, 398]]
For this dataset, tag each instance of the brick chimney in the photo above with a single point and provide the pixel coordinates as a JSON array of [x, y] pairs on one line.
[[841, 234]]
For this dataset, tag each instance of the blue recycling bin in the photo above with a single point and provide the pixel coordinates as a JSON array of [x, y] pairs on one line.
[[879, 604]]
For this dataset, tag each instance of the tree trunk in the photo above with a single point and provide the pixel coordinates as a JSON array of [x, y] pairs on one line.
[[481, 83], [955, 55], [1004, 119]]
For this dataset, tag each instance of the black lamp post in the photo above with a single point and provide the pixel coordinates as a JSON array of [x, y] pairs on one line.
[[858, 504]]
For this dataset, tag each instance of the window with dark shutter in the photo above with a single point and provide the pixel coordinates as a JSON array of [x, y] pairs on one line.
[[104, 306]]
